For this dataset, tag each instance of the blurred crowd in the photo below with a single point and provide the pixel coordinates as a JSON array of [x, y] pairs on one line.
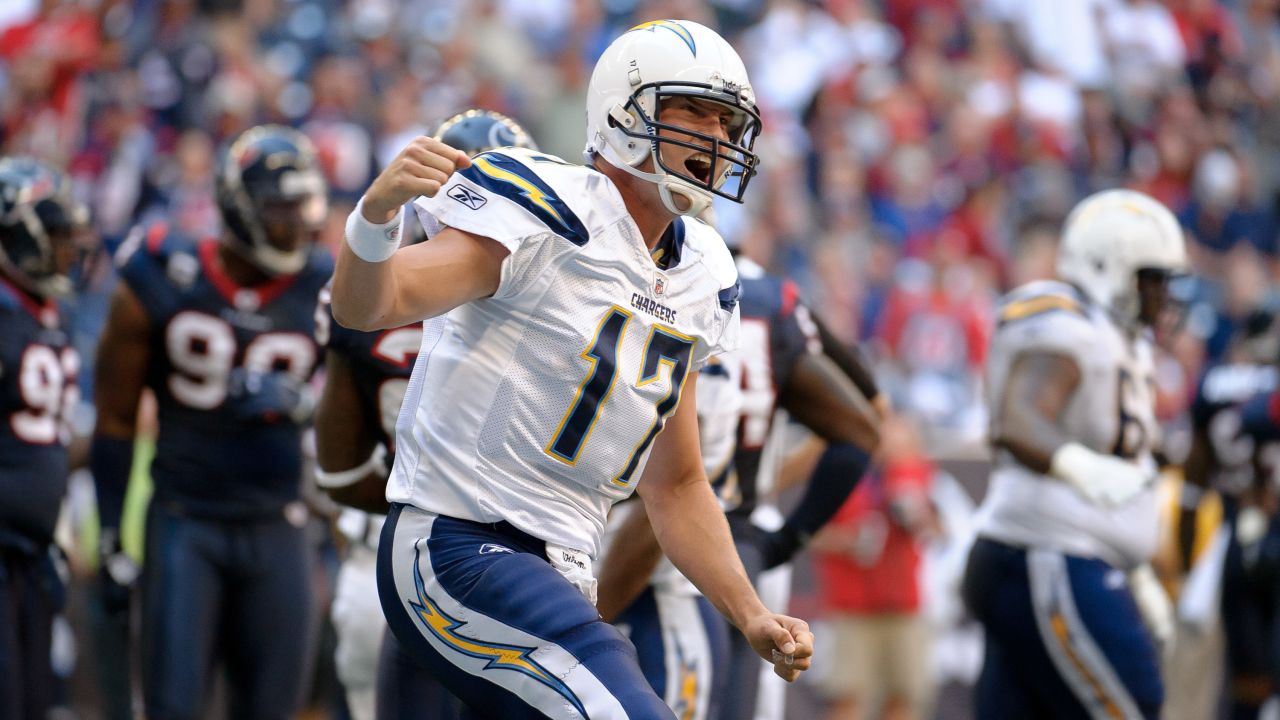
[[918, 156]]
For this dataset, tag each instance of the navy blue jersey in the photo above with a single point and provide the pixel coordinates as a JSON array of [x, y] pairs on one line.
[[38, 391], [1236, 455], [381, 363], [776, 332], [220, 353]]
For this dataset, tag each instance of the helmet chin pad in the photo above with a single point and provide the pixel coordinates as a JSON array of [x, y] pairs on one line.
[[267, 258], [669, 187]]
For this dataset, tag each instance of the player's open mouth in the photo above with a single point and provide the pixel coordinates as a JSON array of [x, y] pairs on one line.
[[699, 166]]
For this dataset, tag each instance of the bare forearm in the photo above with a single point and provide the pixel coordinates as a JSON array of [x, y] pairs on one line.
[[692, 531], [629, 563], [1028, 422], [1032, 440], [363, 292]]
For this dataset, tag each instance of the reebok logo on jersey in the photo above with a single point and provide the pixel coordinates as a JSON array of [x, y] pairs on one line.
[[490, 549], [467, 197]]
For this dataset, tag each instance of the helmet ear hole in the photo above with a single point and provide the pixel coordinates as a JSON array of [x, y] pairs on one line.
[[620, 116]]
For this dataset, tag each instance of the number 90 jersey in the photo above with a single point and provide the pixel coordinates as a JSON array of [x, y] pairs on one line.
[[38, 392], [1111, 411], [224, 362], [539, 405]]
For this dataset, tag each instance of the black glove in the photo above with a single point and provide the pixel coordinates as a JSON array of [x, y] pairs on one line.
[[117, 574], [270, 397], [762, 549]]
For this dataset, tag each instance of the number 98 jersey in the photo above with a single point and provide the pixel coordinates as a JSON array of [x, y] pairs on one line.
[[226, 363], [38, 392], [1111, 411], [539, 405], [381, 364]]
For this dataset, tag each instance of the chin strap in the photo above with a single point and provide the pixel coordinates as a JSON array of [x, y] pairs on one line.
[[669, 187]]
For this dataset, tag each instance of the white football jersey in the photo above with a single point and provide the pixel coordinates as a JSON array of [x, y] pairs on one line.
[[1112, 411], [539, 405]]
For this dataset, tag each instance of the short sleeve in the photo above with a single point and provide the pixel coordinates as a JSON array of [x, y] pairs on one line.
[[726, 328], [794, 336], [144, 264], [719, 401], [503, 199], [1047, 323]]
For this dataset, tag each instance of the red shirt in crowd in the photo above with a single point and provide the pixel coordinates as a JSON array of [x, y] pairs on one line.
[[878, 569]]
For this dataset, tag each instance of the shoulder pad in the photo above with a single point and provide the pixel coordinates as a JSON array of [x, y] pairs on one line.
[[1236, 382], [1049, 322], [320, 265], [8, 298], [704, 240], [514, 194], [155, 241], [1037, 298]]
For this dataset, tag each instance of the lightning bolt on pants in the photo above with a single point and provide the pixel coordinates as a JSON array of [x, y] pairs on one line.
[[480, 608]]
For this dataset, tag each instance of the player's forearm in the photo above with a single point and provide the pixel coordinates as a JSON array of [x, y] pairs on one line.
[[848, 361], [692, 531], [629, 562], [363, 292]]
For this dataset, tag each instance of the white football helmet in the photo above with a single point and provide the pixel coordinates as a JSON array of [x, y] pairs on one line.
[[1112, 235], [657, 60]]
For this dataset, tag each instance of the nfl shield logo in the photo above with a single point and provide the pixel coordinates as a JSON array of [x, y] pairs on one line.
[[659, 286]]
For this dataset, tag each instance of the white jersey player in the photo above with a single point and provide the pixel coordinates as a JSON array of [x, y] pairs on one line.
[[366, 377], [581, 304], [1071, 511]]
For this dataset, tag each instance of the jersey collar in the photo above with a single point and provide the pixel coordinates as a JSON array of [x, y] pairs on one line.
[[46, 314], [244, 298]]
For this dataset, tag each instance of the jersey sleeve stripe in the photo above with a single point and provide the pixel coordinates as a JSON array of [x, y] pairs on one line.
[[1038, 305], [510, 179], [729, 297]]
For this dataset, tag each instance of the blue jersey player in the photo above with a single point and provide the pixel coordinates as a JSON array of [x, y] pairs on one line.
[[222, 332], [1234, 452], [366, 374], [38, 367], [555, 389]]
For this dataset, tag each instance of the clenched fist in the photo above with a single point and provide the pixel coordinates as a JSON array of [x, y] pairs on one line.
[[785, 642], [421, 168]]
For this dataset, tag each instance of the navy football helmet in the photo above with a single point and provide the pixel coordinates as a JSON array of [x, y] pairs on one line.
[[39, 220], [477, 131], [272, 196]]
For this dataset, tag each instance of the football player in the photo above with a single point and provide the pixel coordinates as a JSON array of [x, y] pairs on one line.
[[365, 379], [1233, 451], [784, 361], [565, 354], [1059, 574], [222, 331], [38, 367]]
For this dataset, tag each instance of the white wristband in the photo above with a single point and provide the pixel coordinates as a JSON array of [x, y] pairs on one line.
[[372, 242], [1071, 462], [377, 463]]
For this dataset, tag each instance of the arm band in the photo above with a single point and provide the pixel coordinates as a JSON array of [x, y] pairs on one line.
[[838, 471], [111, 462], [372, 242], [377, 464]]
